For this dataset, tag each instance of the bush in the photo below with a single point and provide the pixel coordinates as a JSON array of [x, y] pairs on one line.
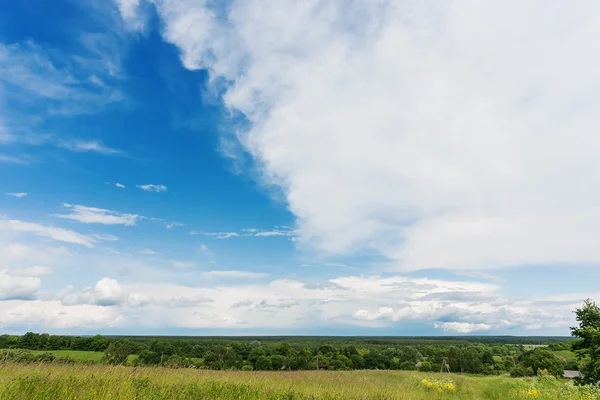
[[44, 357], [519, 371]]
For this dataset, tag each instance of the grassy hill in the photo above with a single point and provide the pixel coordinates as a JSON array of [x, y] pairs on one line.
[[49, 381]]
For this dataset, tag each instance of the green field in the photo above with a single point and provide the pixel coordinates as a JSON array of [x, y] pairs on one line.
[[87, 382], [565, 354], [79, 356]]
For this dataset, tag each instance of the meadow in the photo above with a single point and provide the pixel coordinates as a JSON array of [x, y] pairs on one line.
[[39, 381]]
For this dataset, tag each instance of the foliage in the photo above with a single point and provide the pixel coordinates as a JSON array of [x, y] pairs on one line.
[[542, 359], [587, 346], [118, 351], [491, 355]]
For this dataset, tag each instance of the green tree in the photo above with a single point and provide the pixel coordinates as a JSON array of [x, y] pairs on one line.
[[542, 358], [587, 346], [118, 351]]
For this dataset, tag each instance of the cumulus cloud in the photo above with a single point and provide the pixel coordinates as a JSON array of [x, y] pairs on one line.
[[59, 234], [13, 286], [153, 188], [464, 327], [402, 127], [53, 314], [92, 215], [19, 195], [106, 292], [367, 301]]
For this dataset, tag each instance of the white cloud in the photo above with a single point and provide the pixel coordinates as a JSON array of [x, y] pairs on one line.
[[148, 252], [120, 185], [34, 75], [368, 301], [53, 314], [275, 232], [170, 225], [106, 292], [182, 264], [105, 237], [222, 235], [235, 274], [92, 215], [5, 159], [37, 270], [409, 126], [19, 195], [17, 286], [129, 10], [85, 146], [465, 327], [59, 234], [153, 188]]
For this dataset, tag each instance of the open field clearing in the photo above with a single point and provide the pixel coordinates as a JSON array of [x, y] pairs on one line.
[[77, 355], [49, 381]]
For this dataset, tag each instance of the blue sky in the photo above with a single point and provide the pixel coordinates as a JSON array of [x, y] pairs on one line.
[[202, 167]]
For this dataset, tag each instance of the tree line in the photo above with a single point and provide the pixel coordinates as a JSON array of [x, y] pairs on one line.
[[449, 355]]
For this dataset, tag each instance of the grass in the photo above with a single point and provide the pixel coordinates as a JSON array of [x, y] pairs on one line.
[[565, 354], [87, 382], [80, 356]]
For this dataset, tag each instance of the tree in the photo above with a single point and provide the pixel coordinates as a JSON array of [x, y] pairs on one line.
[[118, 351], [542, 358], [587, 346]]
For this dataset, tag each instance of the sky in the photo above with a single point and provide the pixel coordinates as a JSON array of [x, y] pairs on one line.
[[250, 167]]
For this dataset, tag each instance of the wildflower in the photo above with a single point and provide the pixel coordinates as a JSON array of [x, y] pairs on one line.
[[449, 386], [533, 393], [426, 383]]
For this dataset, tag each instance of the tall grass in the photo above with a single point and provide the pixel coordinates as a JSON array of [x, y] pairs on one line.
[[51, 381]]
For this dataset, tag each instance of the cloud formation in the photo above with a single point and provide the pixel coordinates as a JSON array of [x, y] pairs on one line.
[[13, 286], [408, 127], [19, 195], [59, 234], [153, 188], [92, 215], [348, 301]]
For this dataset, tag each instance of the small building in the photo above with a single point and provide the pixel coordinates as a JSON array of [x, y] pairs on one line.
[[569, 374]]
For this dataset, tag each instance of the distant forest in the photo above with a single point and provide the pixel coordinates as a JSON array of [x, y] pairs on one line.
[[521, 356]]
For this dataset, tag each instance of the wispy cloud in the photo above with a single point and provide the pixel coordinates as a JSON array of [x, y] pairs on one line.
[[92, 215], [74, 145], [5, 159], [148, 252], [19, 195], [182, 264], [117, 184], [88, 146], [153, 188], [223, 235], [105, 237], [170, 225], [236, 274], [37, 270], [248, 232], [59, 234]]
